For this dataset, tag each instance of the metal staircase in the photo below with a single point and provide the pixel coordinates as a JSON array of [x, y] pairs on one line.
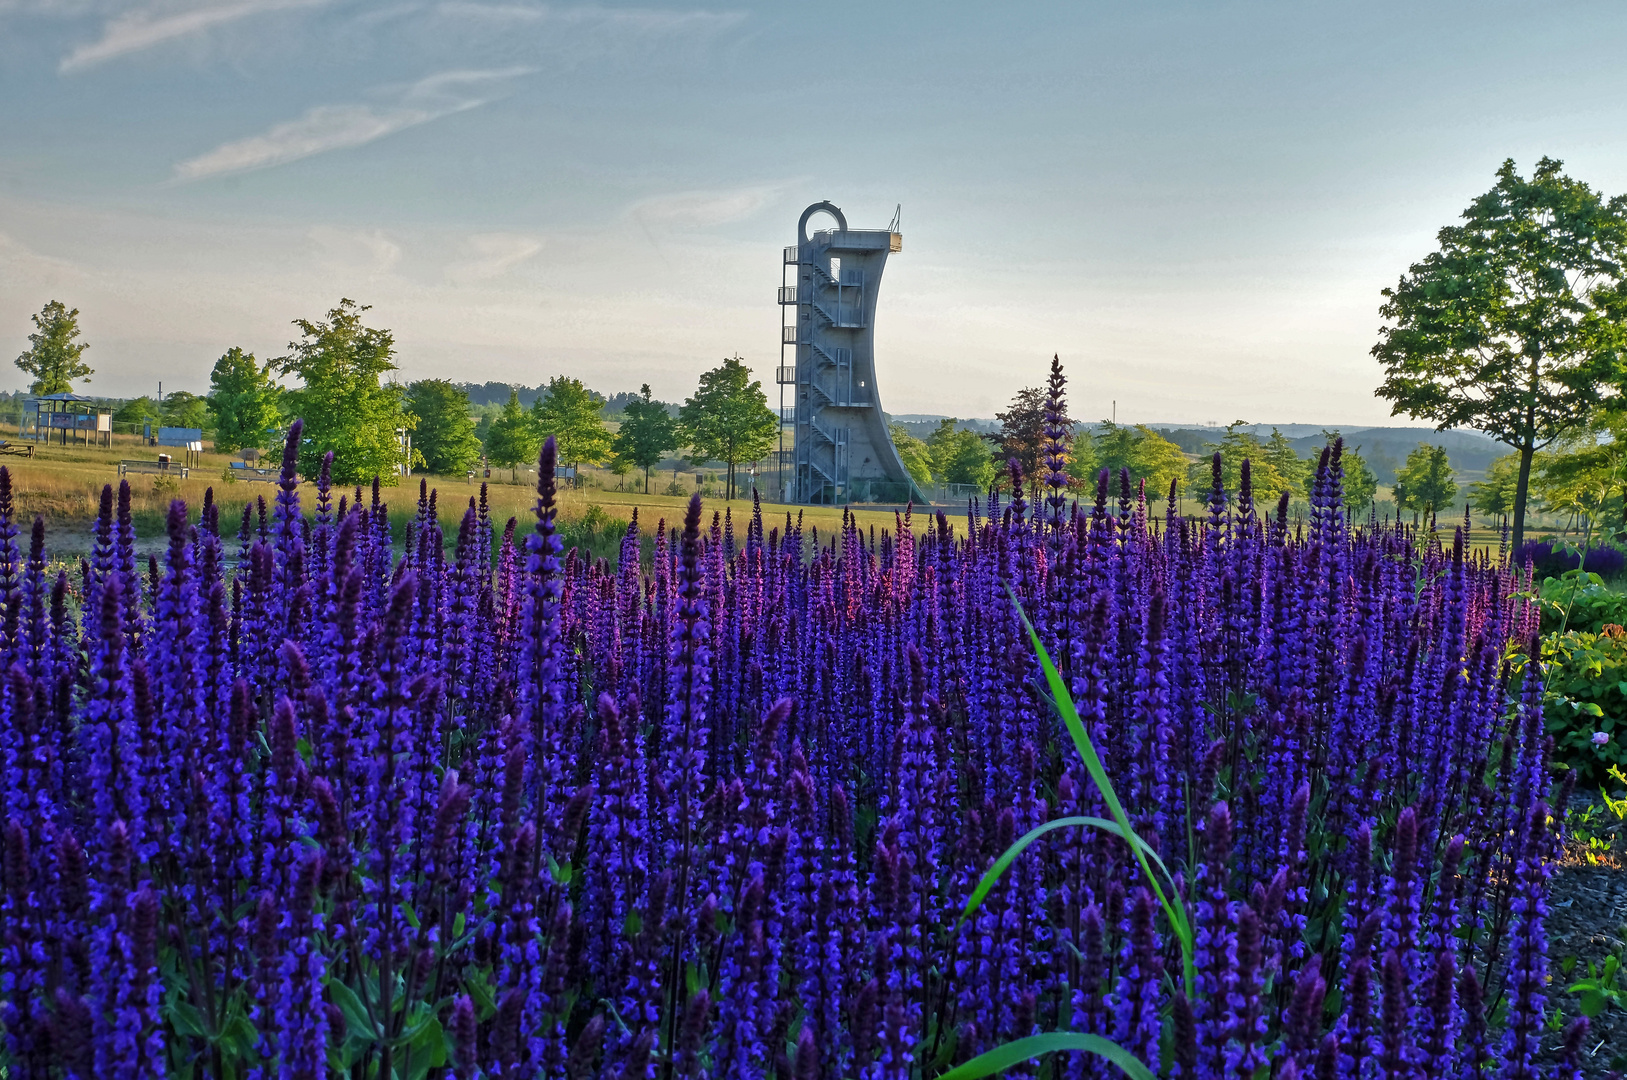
[[839, 444]]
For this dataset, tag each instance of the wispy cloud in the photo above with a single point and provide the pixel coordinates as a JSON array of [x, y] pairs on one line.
[[491, 256], [640, 20], [704, 208], [336, 127], [356, 250], [147, 27]]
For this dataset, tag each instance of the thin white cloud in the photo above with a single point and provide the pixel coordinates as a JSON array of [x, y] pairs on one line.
[[640, 20], [143, 29], [491, 256], [701, 209], [356, 250], [336, 127]]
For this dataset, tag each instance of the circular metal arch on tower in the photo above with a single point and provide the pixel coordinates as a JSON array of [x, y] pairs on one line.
[[827, 207]]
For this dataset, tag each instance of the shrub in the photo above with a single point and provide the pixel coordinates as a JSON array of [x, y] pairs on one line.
[[1578, 600], [1586, 697]]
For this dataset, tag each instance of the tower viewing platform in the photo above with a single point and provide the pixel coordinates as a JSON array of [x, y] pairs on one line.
[[840, 450]]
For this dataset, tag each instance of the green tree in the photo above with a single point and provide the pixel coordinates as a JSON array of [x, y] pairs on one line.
[[513, 439], [1588, 472], [1148, 455], [960, 456], [1237, 446], [1517, 326], [1425, 482], [1494, 496], [136, 412], [1359, 484], [915, 454], [619, 468], [244, 397], [444, 435], [570, 413], [648, 433], [728, 419], [184, 409], [1022, 432], [1285, 460], [346, 409], [53, 357]]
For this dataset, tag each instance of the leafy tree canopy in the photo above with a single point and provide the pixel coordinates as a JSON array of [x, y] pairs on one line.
[[648, 433], [1237, 446], [1148, 455], [728, 419], [1588, 472], [513, 439], [1494, 496], [137, 411], [1516, 327], [1022, 431], [53, 355], [915, 454], [959, 456], [570, 413], [184, 409], [1359, 483], [346, 409], [1425, 483], [444, 435], [244, 397], [1281, 456]]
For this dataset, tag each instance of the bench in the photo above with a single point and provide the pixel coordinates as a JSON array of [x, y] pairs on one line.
[[166, 468], [22, 449], [249, 474]]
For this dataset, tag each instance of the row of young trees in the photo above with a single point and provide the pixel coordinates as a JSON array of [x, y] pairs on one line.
[[727, 419], [341, 367]]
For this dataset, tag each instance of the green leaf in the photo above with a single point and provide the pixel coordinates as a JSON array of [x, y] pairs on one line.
[[1014, 1053], [428, 1049], [458, 925], [1175, 912], [185, 1018], [238, 1036], [357, 1022], [480, 992], [1003, 863]]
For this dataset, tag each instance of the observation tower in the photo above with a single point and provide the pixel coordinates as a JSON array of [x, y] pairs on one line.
[[839, 450]]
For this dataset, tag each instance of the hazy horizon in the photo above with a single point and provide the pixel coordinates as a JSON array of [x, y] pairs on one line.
[[1195, 205]]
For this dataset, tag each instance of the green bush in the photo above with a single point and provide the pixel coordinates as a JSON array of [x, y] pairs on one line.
[[1592, 605], [1586, 695]]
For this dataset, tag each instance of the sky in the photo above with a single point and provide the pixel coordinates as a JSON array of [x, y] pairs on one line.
[[1195, 204]]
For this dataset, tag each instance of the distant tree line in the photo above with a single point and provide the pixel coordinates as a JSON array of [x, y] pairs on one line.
[[337, 376]]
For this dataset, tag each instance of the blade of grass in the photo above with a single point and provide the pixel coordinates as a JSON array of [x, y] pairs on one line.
[[1003, 863], [1014, 1053], [1175, 912]]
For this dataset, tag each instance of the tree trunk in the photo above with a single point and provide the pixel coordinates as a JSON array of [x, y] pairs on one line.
[[1522, 488], [1528, 443]]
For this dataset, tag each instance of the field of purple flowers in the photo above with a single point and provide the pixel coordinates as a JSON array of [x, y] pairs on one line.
[[289, 805]]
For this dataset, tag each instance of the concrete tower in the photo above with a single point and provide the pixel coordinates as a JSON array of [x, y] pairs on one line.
[[840, 449]]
